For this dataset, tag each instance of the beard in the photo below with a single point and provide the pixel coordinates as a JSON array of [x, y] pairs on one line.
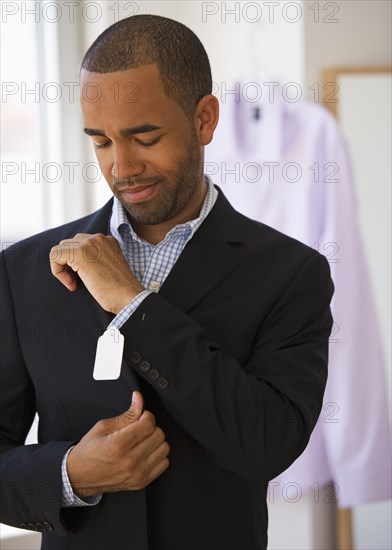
[[173, 194]]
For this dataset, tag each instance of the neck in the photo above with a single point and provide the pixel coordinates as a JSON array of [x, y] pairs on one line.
[[154, 234]]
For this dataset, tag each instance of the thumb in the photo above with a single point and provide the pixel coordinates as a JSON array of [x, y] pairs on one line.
[[132, 414], [136, 407]]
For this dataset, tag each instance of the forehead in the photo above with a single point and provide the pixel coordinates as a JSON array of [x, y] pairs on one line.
[[128, 95]]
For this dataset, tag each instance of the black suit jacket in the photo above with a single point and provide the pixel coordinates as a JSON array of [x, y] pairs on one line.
[[230, 355]]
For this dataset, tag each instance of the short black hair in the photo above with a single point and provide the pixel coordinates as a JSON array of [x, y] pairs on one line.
[[139, 40]]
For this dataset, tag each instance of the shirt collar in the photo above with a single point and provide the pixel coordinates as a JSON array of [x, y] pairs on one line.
[[119, 220]]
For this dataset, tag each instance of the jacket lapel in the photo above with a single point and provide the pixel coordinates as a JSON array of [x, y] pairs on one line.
[[212, 253]]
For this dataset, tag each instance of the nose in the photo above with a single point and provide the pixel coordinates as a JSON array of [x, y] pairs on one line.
[[126, 163]]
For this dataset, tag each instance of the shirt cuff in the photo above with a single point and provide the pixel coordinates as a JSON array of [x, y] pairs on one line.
[[128, 310], [69, 499]]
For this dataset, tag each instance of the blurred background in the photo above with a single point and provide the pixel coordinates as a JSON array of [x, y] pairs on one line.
[[304, 145]]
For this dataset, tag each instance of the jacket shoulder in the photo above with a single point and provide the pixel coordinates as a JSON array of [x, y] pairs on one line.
[[267, 236]]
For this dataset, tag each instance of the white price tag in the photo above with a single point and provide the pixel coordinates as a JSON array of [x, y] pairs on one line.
[[108, 357]]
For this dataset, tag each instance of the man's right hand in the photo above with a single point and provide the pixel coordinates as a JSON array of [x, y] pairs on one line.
[[124, 453]]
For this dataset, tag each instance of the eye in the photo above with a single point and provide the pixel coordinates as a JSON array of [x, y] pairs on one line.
[[147, 143], [102, 145]]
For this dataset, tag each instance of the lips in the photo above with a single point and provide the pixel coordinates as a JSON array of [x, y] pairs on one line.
[[138, 194]]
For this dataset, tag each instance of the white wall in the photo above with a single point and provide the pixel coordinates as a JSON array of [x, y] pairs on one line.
[[360, 37], [368, 132]]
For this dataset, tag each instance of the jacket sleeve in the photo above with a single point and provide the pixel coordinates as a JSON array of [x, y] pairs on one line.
[[253, 419], [30, 475]]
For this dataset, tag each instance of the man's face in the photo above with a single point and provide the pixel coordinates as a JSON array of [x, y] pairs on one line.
[[146, 147]]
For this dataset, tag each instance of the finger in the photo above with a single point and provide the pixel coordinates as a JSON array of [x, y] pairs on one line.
[[132, 434], [158, 470], [127, 418], [65, 275], [147, 446], [82, 236], [134, 412], [137, 403], [58, 258], [160, 454], [151, 468]]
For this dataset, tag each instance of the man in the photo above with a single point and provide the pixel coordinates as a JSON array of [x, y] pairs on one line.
[[225, 324]]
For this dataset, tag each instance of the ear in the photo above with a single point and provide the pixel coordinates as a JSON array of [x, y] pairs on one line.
[[206, 118]]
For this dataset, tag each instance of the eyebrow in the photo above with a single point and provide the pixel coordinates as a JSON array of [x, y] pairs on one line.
[[125, 132]]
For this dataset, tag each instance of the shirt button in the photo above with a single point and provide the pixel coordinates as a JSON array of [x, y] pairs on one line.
[[154, 286]]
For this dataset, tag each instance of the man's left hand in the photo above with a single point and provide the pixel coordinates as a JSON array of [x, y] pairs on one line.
[[100, 263]]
